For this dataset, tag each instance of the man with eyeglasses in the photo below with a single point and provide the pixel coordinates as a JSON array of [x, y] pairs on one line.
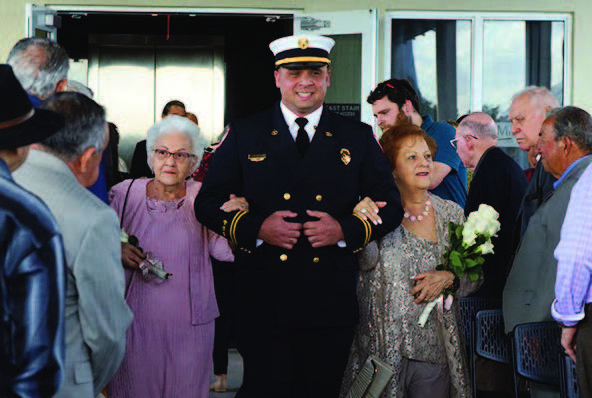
[[395, 102], [497, 181]]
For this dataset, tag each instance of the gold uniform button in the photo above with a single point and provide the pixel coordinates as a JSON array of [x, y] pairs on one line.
[[316, 260], [319, 198], [287, 196], [284, 257]]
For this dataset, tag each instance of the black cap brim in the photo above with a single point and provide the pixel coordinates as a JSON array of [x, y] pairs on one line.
[[38, 127], [303, 65]]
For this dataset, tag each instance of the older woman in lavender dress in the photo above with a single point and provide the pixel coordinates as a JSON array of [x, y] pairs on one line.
[[170, 342]]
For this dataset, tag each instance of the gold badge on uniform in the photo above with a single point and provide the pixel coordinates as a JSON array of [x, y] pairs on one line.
[[303, 43], [345, 156], [274, 132], [257, 157]]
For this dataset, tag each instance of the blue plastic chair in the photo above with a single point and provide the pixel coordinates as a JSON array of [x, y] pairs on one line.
[[536, 348], [469, 307], [491, 341], [568, 380]]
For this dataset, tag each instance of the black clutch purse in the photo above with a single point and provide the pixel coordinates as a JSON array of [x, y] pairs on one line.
[[371, 380]]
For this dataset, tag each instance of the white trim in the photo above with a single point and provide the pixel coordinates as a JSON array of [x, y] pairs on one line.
[[477, 55], [172, 10], [477, 19]]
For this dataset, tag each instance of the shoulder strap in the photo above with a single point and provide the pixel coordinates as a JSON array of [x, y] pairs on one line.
[[125, 203]]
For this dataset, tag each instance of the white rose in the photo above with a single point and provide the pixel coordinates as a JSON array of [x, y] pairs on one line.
[[486, 247], [487, 212], [469, 237], [469, 225], [492, 227], [481, 226]]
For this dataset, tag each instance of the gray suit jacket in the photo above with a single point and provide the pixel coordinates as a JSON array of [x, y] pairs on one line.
[[530, 288], [97, 315]]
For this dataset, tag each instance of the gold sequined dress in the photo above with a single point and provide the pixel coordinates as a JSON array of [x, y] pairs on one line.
[[388, 326]]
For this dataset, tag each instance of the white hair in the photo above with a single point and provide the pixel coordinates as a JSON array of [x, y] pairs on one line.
[[544, 97], [176, 124]]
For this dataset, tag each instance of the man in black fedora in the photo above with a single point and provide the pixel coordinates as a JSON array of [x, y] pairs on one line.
[[302, 169], [32, 261]]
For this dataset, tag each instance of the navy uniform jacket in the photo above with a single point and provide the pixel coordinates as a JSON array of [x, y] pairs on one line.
[[303, 287]]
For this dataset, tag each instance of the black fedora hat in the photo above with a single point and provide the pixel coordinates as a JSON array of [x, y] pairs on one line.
[[20, 123]]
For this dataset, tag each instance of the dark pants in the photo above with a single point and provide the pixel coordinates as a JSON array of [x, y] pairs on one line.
[[584, 354], [422, 379], [294, 363], [224, 277]]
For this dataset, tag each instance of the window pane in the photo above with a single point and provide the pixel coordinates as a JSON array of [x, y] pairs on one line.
[[435, 56], [518, 54], [504, 67]]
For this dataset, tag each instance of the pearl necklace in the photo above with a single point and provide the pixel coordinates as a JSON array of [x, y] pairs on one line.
[[419, 217]]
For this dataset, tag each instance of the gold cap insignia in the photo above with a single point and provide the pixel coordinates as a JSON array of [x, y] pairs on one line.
[[345, 156], [302, 43], [274, 132]]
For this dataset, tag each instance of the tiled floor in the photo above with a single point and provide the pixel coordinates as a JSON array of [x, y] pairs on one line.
[[235, 375]]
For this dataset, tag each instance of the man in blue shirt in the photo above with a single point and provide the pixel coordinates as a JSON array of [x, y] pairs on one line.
[[395, 102]]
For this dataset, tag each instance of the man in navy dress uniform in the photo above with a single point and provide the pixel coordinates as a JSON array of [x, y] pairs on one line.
[[302, 170]]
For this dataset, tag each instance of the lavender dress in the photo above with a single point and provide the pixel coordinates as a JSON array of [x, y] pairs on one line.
[[170, 342]]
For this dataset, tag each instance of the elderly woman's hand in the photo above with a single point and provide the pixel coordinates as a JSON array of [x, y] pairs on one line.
[[235, 203], [131, 256], [429, 285], [368, 210]]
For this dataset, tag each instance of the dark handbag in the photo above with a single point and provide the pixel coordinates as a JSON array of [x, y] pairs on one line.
[[371, 380]]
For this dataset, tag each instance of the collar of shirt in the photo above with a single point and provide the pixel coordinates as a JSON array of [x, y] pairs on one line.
[[35, 101], [313, 121], [569, 168]]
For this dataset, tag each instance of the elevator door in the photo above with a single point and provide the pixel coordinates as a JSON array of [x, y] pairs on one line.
[[134, 82]]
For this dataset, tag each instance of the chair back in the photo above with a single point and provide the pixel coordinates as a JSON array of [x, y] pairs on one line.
[[469, 306], [491, 340], [568, 380], [536, 348]]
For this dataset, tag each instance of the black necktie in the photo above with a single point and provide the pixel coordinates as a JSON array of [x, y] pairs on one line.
[[302, 137]]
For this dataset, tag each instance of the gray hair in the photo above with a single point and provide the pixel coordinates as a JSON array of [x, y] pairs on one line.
[[574, 123], [85, 126], [39, 64], [543, 96], [176, 124]]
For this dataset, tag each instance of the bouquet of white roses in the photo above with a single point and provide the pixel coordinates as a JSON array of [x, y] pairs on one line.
[[464, 254]]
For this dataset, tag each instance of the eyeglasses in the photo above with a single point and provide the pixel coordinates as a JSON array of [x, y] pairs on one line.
[[466, 137], [163, 154]]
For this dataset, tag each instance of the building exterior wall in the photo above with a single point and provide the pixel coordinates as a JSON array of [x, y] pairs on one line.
[[12, 21]]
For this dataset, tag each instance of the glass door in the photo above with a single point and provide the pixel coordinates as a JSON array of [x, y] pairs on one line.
[[353, 66]]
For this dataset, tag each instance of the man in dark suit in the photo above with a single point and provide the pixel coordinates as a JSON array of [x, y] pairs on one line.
[[497, 181], [565, 145], [302, 170]]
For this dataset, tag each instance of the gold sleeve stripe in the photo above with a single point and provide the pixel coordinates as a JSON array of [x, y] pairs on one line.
[[232, 232], [367, 228]]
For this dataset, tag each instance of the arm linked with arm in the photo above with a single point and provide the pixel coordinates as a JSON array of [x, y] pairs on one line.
[[377, 183]]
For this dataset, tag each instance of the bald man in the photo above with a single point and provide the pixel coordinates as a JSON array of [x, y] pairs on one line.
[[497, 181]]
